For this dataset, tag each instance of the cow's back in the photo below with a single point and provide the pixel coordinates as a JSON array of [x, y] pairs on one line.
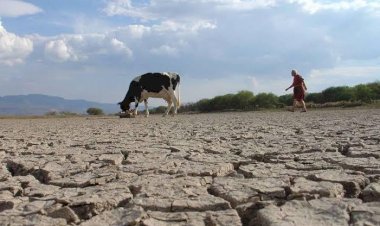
[[153, 82]]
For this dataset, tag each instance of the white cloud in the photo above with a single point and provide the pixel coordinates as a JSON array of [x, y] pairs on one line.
[[314, 6], [166, 38], [135, 31], [344, 72], [155, 10], [119, 47], [229, 45], [184, 27], [15, 8], [82, 47], [127, 8], [13, 49], [59, 50], [243, 5], [165, 50]]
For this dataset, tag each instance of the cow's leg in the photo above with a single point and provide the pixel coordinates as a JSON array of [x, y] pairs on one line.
[[136, 105], [169, 107], [174, 99], [146, 108]]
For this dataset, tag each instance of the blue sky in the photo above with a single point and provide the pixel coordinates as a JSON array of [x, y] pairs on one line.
[[91, 49]]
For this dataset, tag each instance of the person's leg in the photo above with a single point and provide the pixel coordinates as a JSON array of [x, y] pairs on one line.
[[294, 104], [303, 106]]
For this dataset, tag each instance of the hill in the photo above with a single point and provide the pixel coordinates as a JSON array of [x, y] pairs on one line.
[[37, 104]]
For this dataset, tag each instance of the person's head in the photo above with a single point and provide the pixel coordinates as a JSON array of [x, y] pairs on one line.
[[294, 72]]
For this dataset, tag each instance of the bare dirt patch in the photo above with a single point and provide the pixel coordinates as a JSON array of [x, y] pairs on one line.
[[256, 168]]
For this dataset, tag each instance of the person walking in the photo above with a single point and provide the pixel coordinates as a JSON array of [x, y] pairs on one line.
[[299, 88]]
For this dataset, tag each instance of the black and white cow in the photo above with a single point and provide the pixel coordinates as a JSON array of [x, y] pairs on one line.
[[157, 85]]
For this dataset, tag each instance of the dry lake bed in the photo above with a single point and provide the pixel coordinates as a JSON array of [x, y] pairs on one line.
[[255, 168]]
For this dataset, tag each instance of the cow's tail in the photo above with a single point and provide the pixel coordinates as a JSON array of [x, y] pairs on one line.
[[178, 96]]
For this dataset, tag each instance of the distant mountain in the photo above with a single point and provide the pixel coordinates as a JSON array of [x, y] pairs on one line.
[[37, 104]]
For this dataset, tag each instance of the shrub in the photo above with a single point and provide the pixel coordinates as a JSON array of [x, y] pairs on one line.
[[51, 113], [375, 88], [95, 111], [286, 100], [341, 93], [266, 100], [60, 114], [342, 96], [158, 110], [243, 100], [364, 93]]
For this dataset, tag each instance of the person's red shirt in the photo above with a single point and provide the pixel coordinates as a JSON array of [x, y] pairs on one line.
[[297, 80]]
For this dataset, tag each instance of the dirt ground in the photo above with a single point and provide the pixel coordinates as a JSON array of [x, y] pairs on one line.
[[253, 168]]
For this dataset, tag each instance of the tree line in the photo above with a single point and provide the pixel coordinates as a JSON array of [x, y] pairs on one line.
[[247, 101]]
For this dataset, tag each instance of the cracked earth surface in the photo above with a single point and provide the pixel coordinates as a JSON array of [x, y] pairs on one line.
[[255, 168]]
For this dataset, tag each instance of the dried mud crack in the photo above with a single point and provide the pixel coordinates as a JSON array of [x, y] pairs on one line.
[[256, 168]]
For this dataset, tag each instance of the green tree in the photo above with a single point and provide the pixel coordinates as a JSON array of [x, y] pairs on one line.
[[189, 107], [204, 105], [375, 90], [341, 93], [158, 110], [243, 100], [286, 100], [95, 111], [266, 100], [246, 100], [218, 103], [345, 93], [314, 97], [363, 93]]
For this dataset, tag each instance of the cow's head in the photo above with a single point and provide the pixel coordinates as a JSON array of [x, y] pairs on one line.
[[124, 105]]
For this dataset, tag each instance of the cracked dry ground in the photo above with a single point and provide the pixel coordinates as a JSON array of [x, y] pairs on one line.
[[256, 168]]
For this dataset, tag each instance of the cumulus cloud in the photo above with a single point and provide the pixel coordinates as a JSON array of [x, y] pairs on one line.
[[59, 50], [229, 45], [15, 8], [127, 8], [173, 28], [165, 50], [119, 47], [243, 5], [314, 6], [82, 47], [135, 31], [155, 10], [166, 38], [344, 72], [13, 49], [183, 27]]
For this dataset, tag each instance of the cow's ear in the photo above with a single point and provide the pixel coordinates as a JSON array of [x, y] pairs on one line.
[[119, 103]]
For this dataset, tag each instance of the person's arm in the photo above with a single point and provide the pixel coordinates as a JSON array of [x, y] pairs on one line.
[[289, 87], [304, 85]]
